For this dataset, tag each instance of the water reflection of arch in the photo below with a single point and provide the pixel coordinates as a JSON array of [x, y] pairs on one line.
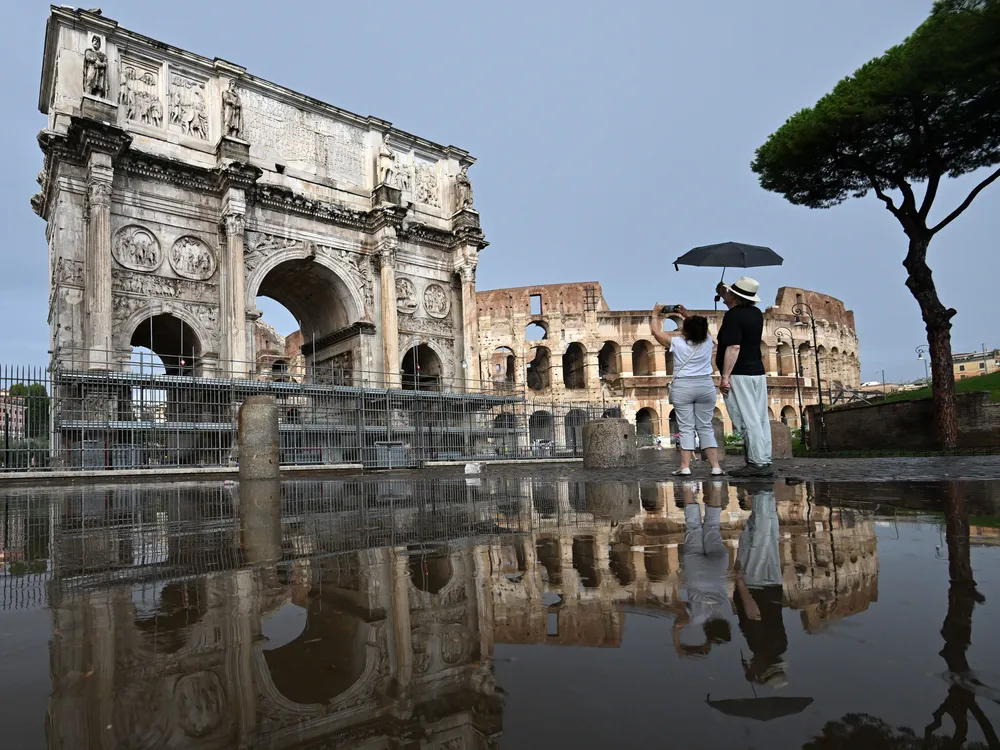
[[430, 568], [171, 629]]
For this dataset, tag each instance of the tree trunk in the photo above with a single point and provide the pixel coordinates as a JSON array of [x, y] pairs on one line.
[[937, 320]]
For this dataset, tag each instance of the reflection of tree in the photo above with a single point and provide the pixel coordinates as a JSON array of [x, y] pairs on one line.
[[861, 730]]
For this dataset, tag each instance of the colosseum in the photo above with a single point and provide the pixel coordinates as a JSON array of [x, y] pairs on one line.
[[575, 355]]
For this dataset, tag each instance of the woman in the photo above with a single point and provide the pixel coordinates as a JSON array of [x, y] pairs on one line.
[[692, 391]]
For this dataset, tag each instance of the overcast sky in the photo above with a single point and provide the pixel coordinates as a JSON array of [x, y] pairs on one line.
[[610, 138]]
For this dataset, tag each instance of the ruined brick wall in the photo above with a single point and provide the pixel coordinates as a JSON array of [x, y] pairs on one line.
[[906, 425]]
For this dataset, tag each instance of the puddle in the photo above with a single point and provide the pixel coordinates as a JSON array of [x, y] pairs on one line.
[[502, 613]]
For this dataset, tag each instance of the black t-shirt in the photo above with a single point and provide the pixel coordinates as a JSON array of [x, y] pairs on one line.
[[742, 326]]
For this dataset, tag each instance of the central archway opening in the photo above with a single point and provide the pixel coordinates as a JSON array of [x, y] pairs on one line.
[[421, 369], [301, 303]]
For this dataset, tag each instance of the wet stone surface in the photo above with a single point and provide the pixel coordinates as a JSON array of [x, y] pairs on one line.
[[503, 611]]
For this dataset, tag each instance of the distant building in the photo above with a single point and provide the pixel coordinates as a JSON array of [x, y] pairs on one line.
[[972, 364], [13, 416]]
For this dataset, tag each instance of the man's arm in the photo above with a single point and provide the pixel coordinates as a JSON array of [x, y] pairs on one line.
[[728, 363]]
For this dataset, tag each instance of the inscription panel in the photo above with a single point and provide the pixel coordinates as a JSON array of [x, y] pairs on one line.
[[293, 135]]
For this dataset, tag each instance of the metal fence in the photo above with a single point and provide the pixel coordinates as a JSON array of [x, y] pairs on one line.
[[147, 415]]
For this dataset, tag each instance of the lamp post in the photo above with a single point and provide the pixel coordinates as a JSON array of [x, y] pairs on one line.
[[921, 351], [798, 386], [799, 309]]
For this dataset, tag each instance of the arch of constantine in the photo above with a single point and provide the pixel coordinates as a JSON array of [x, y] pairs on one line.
[[177, 189]]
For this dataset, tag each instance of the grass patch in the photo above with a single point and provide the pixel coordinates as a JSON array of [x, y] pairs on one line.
[[979, 383]]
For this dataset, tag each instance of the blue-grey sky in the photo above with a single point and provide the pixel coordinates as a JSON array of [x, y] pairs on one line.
[[611, 137]]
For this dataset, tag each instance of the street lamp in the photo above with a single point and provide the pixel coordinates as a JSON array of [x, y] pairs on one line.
[[921, 351], [798, 386], [798, 310]]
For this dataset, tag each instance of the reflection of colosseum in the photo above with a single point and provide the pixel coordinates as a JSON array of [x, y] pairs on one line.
[[355, 640], [565, 344]]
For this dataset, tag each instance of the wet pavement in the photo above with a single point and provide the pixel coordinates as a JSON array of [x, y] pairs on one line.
[[507, 611]]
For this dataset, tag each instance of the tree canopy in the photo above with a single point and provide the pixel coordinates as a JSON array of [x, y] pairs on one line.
[[927, 108], [36, 399]]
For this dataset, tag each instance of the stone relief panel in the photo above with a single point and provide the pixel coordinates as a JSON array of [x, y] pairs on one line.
[[188, 106], [426, 184], [406, 296], [192, 259], [436, 301], [68, 273], [200, 703], [404, 171], [260, 246], [137, 248], [294, 135], [363, 265], [413, 324], [139, 92], [145, 285]]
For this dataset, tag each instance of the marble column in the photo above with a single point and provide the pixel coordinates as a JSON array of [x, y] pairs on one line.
[[97, 262], [233, 311], [470, 323], [390, 324]]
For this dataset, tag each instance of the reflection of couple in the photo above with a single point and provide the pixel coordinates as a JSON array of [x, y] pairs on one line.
[[758, 595]]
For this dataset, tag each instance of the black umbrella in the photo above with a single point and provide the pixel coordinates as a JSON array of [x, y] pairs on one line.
[[761, 709], [729, 255]]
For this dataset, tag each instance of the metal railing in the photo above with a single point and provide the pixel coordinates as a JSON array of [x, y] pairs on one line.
[[145, 414]]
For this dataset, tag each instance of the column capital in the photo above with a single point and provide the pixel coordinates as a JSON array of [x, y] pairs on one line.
[[98, 194], [233, 224]]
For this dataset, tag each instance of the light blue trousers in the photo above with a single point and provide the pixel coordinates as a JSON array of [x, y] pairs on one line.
[[746, 403], [694, 405]]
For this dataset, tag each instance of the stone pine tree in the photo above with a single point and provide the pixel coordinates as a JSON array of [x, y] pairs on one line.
[[927, 109]]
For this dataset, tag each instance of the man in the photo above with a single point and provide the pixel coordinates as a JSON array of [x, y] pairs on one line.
[[744, 384]]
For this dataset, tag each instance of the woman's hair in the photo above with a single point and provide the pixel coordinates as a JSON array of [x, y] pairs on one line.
[[695, 329]]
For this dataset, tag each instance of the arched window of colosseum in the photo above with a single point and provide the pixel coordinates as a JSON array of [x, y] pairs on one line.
[[642, 358], [672, 423], [541, 426], [647, 422], [657, 563], [621, 565], [789, 417], [536, 331], [770, 413], [786, 361], [539, 370], [574, 363], [766, 357], [824, 363], [502, 366], [609, 360], [574, 421], [835, 364]]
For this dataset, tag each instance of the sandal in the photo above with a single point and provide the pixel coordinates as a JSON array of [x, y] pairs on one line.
[[718, 472], [682, 473]]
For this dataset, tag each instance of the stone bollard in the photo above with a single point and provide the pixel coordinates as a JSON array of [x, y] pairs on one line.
[[781, 441], [260, 520], [609, 444], [258, 438]]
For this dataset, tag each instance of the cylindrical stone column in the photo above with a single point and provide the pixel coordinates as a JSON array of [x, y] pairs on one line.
[[233, 296], [259, 448], [609, 444], [470, 324], [390, 325], [97, 262]]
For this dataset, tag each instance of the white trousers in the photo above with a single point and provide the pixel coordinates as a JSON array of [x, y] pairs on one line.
[[746, 403]]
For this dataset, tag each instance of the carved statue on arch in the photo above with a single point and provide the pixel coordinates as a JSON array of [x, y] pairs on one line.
[[95, 70], [232, 111], [463, 189], [386, 163]]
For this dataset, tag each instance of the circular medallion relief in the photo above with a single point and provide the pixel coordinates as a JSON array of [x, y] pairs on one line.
[[436, 301], [406, 296], [137, 248], [192, 259]]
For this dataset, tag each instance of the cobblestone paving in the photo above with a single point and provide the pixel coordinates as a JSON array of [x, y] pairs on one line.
[[658, 467]]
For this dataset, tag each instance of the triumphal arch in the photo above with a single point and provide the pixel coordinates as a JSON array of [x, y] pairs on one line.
[[177, 189]]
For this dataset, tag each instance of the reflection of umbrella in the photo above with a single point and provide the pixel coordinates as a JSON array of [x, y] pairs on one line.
[[761, 709], [729, 255]]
